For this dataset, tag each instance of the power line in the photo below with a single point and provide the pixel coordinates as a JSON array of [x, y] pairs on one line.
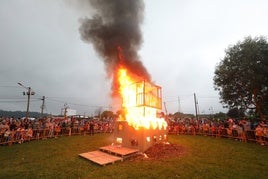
[[11, 98], [12, 101], [6, 86], [76, 104]]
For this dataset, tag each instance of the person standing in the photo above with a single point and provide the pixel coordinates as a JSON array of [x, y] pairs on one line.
[[259, 134], [91, 128]]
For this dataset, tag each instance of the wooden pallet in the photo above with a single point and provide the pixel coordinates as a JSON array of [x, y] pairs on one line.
[[109, 154], [100, 157], [119, 151]]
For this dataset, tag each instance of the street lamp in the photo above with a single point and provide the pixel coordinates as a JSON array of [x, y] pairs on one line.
[[28, 93]]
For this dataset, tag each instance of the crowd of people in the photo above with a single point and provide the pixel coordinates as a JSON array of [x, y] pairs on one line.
[[242, 130], [15, 130]]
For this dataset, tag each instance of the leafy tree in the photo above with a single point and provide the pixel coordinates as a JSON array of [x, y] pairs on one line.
[[235, 113], [242, 76], [107, 114], [220, 115]]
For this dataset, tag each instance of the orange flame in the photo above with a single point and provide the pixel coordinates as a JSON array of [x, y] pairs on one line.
[[139, 103]]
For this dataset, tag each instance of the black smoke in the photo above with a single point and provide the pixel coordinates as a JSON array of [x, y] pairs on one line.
[[116, 24]]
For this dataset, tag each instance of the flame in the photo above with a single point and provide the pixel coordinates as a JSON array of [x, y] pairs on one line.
[[139, 103]]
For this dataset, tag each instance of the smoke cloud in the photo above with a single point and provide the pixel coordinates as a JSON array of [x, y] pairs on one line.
[[116, 24]]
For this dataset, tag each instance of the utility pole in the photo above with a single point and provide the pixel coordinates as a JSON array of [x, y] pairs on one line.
[[179, 105], [165, 108], [28, 102], [195, 104], [28, 93], [43, 106]]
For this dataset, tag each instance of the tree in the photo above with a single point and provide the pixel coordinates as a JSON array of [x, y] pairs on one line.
[[107, 114], [220, 116], [235, 113], [242, 76]]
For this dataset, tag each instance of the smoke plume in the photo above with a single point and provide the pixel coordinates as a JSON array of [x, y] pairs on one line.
[[116, 24]]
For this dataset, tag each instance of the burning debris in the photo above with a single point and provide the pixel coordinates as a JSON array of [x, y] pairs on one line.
[[161, 151], [164, 150]]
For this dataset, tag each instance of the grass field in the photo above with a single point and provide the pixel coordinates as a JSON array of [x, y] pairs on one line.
[[204, 157]]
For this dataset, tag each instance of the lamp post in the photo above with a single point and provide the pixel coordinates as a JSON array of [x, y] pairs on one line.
[[28, 93]]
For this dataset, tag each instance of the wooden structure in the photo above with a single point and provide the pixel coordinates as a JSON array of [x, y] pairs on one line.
[[109, 154], [141, 139]]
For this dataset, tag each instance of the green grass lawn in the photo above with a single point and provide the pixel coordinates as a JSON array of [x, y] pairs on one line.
[[204, 157]]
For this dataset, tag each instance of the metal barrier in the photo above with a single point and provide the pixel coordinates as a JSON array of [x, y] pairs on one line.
[[21, 136], [244, 136]]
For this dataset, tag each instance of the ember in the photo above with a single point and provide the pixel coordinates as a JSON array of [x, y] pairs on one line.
[[161, 151]]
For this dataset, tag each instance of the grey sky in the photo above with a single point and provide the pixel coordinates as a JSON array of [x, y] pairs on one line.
[[183, 41]]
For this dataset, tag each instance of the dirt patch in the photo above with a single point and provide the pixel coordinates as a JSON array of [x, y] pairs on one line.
[[161, 151]]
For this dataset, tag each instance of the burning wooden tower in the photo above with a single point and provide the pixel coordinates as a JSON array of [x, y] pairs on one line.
[[115, 34], [141, 125]]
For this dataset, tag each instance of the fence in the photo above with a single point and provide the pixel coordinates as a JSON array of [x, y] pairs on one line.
[[245, 136], [20, 136]]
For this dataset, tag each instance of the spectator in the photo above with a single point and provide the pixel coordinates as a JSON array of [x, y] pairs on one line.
[[50, 128], [241, 133], [91, 128], [20, 134], [259, 134], [86, 127], [57, 130], [3, 127], [13, 126], [205, 128], [8, 136], [265, 134], [213, 130], [29, 134]]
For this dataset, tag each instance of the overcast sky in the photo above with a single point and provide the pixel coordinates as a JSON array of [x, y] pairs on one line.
[[183, 41]]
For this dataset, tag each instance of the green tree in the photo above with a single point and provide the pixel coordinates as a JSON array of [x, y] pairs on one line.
[[220, 115], [235, 113], [107, 114], [242, 76]]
